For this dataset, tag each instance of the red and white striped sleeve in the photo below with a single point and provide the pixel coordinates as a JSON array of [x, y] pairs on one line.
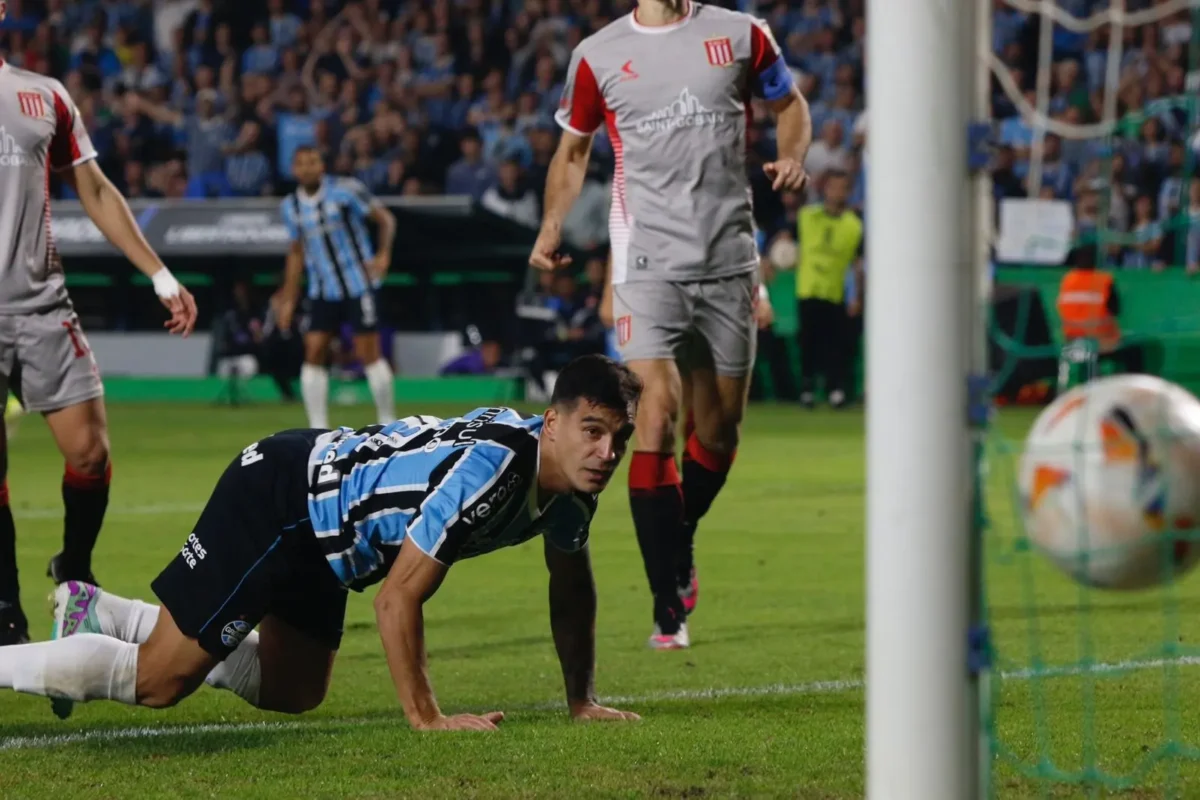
[[581, 109], [71, 144]]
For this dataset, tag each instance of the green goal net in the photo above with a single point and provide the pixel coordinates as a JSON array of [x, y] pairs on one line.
[[1089, 692]]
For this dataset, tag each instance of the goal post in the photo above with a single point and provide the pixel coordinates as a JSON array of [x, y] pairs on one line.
[[924, 340]]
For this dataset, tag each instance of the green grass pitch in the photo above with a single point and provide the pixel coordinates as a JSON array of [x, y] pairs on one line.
[[768, 703]]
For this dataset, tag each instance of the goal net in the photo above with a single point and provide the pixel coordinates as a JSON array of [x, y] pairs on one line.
[[1090, 692]]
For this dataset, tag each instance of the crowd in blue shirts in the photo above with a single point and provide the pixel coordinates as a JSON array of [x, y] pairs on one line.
[[209, 98]]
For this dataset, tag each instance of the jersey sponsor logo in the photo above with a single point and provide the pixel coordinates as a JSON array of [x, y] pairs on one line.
[[192, 551], [234, 632], [466, 431], [627, 72], [624, 330], [501, 494], [250, 455], [719, 51], [11, 153], [685, 111], [32, 104]]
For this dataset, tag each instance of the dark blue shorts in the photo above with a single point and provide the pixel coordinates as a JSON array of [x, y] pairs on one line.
[[253, 553]]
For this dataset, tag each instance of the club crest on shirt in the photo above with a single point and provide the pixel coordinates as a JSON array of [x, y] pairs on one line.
[[32, 104], [624, 330], [719, 51]]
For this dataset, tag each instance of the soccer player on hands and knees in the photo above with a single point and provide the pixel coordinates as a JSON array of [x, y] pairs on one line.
[[44, 356], [671, 82], [326, 219], [301, 517]]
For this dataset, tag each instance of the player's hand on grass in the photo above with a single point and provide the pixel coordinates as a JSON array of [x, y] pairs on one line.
[[464, 722], [786, 174], [598, 713], [545, 254], [183, 312]]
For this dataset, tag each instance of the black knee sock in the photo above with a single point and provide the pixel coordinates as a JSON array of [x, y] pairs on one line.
[[85, 499], [10, 590], [656, 501], [704, 474]]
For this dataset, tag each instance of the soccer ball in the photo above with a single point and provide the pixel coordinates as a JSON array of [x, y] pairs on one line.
[[1110, 482]]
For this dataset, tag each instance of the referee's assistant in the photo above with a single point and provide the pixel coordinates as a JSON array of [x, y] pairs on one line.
[[830, 243]]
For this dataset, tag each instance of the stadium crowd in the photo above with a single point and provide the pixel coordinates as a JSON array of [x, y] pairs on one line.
[[211, 98]]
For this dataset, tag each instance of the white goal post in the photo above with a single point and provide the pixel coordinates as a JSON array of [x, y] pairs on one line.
[[928, 221]]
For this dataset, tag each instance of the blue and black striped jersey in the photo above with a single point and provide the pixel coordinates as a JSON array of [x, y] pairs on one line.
[[332, 226], [456, 488]]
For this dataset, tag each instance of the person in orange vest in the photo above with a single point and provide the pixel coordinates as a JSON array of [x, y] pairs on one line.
[[1088, 306]]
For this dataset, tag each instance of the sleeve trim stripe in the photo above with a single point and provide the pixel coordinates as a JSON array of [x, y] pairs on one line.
[[81, 160], [567, 126]]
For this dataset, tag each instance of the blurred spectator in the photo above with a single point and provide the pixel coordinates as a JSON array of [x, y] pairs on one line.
[[511, 198], [480, 360], [470, 175]]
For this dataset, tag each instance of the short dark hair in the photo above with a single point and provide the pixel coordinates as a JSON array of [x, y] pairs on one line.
[[305, 148], [598, 380]]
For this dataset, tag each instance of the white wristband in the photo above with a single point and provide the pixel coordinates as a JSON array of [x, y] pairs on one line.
[[763, 294], [165, 284]]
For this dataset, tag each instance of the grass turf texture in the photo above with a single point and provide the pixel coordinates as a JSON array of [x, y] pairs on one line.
[[767, 703]]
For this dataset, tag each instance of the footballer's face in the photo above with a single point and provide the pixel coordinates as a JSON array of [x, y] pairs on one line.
[[588, 441], [309, 168]]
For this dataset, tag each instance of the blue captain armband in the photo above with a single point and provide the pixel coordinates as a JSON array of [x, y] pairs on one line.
[[776, 81]]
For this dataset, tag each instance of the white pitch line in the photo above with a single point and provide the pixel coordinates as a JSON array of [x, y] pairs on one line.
[[127, 511], [716, 693]]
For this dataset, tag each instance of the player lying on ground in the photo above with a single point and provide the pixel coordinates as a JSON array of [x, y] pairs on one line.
[[44, 356], [326, 220], [672, 81], [303, 516]]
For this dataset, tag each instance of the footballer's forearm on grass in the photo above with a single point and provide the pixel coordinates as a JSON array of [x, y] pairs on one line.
[[793, 125], [412, 580], [573, 621], [106, 207], [564, 179]]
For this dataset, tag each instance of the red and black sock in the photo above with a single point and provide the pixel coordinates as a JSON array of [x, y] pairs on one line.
[[656, 501], [704, 473], [10, 590], [85, 499]]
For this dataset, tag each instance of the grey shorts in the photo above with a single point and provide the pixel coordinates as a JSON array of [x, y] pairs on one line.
[[46, 361], [691, 322]]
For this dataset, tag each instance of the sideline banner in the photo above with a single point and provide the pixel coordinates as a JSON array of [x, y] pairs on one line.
[[225, 227]]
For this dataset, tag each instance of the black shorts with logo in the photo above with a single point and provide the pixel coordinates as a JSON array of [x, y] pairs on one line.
[[360, 313], [253, 553]]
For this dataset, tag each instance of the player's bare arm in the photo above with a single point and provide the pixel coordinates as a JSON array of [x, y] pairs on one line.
[[293, 276], [386, 221], [606, 297], [109, 211], [413, 579], [793, 132], [564, 181], [573, 624]]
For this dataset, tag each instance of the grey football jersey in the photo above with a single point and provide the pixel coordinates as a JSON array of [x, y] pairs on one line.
[[675, 101], [40, 130]]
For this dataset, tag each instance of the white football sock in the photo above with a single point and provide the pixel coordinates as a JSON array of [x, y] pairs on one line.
[[314, 387], [87, 666], [383, 390], [126, 620], [241, 673]]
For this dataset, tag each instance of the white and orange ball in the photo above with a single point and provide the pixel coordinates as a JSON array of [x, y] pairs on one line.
[[1110, 482]]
